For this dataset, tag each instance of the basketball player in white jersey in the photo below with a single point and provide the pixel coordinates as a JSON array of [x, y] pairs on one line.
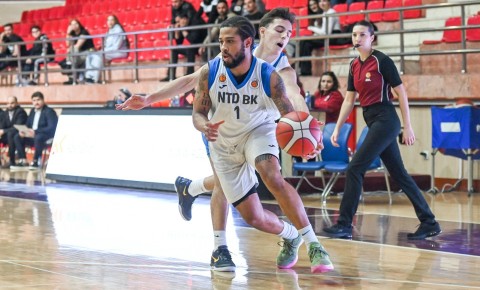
[[234, 108], [275, 31]]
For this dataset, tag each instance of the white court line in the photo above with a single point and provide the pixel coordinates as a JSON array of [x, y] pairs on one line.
[[47, 271]]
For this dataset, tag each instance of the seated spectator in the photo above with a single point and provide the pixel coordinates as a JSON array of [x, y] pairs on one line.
[[42, 122], [237, 7], [319, 29], [14, 115], [223, 13], [194, 36], [114, 42], [328, 98], [209, 7], [253, 13], [9, 52], [37, 56], [82, 45], [182, 7]]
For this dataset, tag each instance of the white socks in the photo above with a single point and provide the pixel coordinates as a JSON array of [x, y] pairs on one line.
[[219, 239], [308, 235], [196, 187], [288, 232]]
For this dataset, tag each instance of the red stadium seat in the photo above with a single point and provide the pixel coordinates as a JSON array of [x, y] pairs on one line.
[[376, 16], [299, 3], [340, 8], [409, 14], [452, 35], [393, 15], [473, 34], [87, 9], [355, 6], [152, 16], [25, 16], [449, 36]]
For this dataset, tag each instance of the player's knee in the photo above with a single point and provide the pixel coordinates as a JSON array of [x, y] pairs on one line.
[[254, 220]]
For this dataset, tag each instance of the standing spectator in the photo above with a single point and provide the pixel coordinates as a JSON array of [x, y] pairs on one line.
[[209, 7], [223, 13], [82, 45], [252, 14], [319, 29], [42, 122], [194, 36], [37, 53], [113, 45], [9, 52], [328, 98], [14, 115]]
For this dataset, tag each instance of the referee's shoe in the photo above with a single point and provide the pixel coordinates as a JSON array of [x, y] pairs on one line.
[[185, 200]]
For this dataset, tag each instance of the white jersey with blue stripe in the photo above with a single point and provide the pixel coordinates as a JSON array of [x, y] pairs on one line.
[[243, 106], [280, 62]]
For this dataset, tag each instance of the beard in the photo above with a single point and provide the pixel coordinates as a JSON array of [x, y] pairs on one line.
[[236, 60]]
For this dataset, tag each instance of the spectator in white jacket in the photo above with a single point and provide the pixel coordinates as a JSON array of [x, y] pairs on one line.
[[114, 47]]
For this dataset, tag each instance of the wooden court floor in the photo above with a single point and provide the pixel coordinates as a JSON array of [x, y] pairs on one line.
[[70, 236]]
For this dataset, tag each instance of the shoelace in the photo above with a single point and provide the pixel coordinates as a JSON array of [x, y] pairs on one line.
[[286, 246], [224, 254], [315, 250]]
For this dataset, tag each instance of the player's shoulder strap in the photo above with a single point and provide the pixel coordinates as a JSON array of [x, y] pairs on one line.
[[213, 66], [266, 72]]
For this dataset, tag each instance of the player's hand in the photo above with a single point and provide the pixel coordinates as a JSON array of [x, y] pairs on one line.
[[211, 130], [135, 102], [320, 146], [408, 136]]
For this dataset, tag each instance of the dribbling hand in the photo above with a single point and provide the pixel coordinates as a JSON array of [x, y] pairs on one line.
[[135, 102], [319, 148], [211, 130]]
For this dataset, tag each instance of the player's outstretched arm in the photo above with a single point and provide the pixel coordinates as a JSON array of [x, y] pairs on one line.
[[289, 77], [279, 94], [173, 88]]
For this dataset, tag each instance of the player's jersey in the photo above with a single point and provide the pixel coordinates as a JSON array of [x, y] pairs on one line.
[[243, 106], [280, 62]]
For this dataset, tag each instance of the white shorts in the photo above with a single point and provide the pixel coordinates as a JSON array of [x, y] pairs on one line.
[[235, 165]]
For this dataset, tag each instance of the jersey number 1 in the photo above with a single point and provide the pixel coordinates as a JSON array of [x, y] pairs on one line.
[[237, 110]]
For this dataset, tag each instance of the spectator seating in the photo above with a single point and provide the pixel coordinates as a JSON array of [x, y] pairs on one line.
[[449, 36], [392, 15], [374, 5], [474, 33]]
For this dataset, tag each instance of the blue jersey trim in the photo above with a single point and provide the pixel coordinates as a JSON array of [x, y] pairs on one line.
[[267, 70], [214, 64], [278, 59], [247, 78]]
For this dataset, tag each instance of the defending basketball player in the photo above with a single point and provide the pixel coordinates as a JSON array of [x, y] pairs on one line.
[[247, 94]]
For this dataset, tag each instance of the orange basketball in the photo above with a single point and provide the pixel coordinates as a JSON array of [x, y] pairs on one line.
[[298, 133]]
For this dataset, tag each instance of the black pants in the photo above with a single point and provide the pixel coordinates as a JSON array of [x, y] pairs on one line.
[[384, 127], [306, 48], [38, 142], [190, 53], [7, 61]]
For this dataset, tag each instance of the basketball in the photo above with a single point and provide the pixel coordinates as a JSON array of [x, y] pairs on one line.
[[298, 133]]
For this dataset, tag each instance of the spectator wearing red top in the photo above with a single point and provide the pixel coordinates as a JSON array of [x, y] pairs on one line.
[[328, 98]]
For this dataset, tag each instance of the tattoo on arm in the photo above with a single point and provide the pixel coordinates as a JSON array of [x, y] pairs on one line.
[[279, 95], [201, 95], [263, 157]]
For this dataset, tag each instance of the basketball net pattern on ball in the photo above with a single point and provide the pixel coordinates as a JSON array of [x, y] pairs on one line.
[[300, 133]]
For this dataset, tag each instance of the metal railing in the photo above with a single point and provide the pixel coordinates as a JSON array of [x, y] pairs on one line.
[[136, 65]]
